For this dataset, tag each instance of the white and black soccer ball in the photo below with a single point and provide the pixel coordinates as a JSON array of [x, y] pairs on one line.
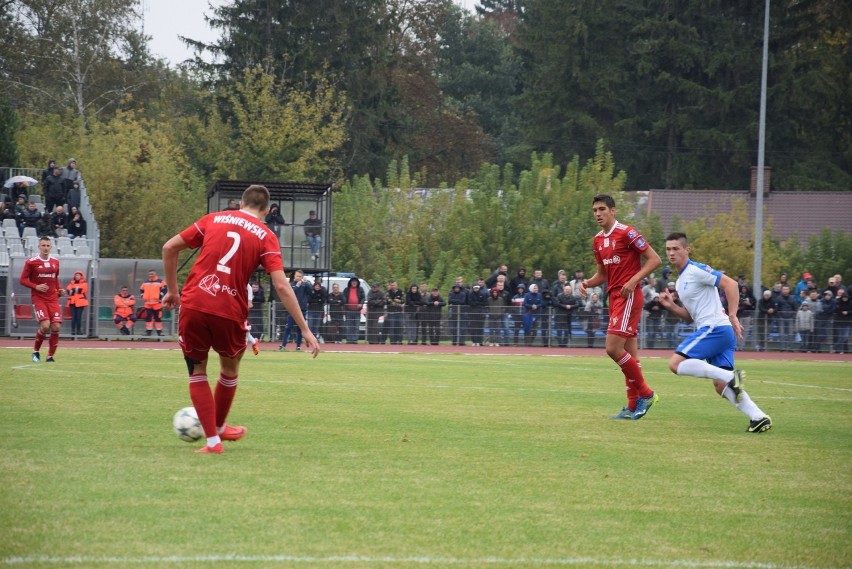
[[187, 426]]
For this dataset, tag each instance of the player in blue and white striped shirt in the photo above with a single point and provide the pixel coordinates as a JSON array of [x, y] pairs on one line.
[[709, 351]]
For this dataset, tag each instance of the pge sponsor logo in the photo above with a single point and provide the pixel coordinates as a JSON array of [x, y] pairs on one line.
[[210, 285]]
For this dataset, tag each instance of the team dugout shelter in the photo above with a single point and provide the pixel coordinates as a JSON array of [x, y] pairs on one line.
[[295, 201]]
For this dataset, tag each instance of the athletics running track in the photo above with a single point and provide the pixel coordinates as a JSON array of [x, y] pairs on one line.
[[270, 348]]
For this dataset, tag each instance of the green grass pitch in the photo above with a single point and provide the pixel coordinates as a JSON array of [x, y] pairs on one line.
[[421, 460]]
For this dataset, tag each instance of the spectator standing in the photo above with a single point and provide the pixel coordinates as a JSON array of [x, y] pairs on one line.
[[313, 233], [19, 189], [579, 276], [649, 289], [301, 286], [802, 284], [745, 314], [78, 299], [55, 189], [787, 308], [814, 304], [558, 287], [354, 299], [502, 270], [565, 306], [619, 250], [663, 283], [517, 313], [275, 221], [824, 325], [41, 275], [317, 299], [457, 313], [833, 286], [539, 280], [434, 306], [124, 315], [73, 179], [51, 164], [477, 306], [520, 278], [256, 310], [805, 327], [498, 303], [375, 311], [394, 319], [532, 313], [593, 318], [842, 322], [413, 305], [654, 320], [766, 314], [152, 292], [334, 326]]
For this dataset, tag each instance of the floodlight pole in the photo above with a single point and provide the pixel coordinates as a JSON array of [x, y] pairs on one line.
[[761, 148]]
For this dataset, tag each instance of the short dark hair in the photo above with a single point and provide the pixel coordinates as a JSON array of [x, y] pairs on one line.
[[677, 236], [604, 198]]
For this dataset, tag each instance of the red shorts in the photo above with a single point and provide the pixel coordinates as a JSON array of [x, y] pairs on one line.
[[198, 332], [47, 310], [625, 313]]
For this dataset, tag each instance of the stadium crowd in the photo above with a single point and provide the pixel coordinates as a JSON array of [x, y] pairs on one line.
[[518, 309]]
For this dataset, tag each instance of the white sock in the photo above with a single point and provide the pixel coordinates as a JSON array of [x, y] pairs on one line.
[[700, 368], [249, 338], [747, 407], [213, 441]]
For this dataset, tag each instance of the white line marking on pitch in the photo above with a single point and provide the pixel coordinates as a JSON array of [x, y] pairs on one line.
[[378, 560]]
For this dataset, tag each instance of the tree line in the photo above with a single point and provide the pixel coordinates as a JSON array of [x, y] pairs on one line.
[[387, 97]]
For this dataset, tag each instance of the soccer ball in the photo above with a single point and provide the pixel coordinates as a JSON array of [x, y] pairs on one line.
[[187, 426]]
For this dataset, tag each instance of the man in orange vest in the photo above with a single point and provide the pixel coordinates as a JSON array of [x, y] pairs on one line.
[[78, 299], [124, 315], [152, 291]]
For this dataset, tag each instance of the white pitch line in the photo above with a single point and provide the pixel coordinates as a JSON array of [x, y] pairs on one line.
[[805, 385], [380, 560]]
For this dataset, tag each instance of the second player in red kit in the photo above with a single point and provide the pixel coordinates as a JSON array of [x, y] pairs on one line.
[[619, 250]]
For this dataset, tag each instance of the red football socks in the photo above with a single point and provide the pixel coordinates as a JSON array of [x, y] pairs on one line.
[[226, 388], [202, 400], [633, 379]]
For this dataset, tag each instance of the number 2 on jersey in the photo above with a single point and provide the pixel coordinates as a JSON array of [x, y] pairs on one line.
[[222, 266]]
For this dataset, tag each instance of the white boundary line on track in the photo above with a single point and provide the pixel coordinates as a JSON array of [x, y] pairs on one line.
[[414, 560]]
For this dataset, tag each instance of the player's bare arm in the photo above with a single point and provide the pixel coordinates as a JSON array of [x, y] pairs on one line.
[[667, 300], [731, 289], [596, 279], [171, 253], [291, 303], [652, 261]]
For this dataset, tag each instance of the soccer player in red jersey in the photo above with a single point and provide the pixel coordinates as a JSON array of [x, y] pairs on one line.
[[41, 275], [619, 250], [214, 303]]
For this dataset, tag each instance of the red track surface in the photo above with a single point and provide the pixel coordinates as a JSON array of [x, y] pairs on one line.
[[271, 348]]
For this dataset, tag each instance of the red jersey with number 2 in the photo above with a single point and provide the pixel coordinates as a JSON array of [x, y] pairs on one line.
[[233, 244], [620, 252]]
